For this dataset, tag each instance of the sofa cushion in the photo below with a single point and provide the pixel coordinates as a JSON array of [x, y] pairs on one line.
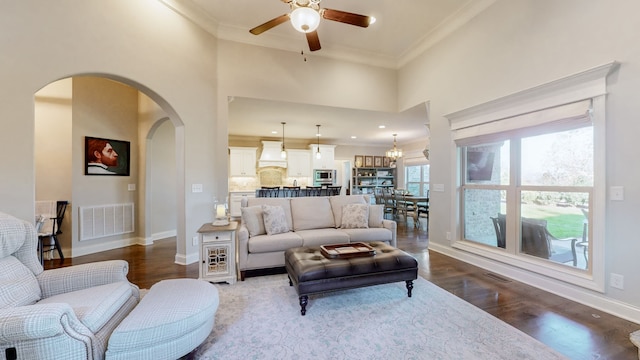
[[312, 212], [368, 235], [355, 216], [95, 306], [274, 220], [317, 237], [376, 215], [284, 202], [271, 243], [253, 219], [19, 285], [337, 202]]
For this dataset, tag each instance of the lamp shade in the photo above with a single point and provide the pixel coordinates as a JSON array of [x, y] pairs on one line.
[[305, 19]]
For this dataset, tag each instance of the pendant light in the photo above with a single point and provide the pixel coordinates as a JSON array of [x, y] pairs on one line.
[[283, 153], [395, 152], [318, 155]]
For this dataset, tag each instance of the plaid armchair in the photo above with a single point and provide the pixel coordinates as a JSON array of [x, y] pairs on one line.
[[66, 313]]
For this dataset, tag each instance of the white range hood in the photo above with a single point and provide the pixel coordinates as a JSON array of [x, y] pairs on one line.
[[270, 156]]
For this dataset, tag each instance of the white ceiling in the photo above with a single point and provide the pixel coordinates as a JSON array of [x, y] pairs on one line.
[[403, 29], [254, 117]]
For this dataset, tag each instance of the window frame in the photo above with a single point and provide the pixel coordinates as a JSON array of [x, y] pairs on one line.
[[421, 183], [589, 84]]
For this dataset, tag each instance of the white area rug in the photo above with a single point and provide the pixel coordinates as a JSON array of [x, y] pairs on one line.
[[260, 319]]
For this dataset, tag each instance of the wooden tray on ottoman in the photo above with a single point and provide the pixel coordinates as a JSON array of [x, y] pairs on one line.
[[346, 251]]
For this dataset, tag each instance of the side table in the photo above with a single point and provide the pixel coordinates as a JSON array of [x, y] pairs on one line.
[[218, 252]]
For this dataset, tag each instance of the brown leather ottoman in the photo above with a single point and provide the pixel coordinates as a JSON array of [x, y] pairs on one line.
[[311, 272]]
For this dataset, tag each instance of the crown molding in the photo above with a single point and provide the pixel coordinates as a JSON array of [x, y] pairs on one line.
[[198, 16]]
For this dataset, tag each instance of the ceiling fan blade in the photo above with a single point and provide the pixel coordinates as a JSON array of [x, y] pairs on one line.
[[269, 24], [313, 40], [346, 17]]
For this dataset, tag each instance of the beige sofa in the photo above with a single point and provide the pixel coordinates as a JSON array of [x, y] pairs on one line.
[[306, 221]]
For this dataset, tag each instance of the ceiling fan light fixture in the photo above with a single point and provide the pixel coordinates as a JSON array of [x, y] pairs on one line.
[[305, 19]]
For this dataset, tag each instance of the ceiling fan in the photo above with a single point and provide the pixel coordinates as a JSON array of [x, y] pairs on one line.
[[305, 17]]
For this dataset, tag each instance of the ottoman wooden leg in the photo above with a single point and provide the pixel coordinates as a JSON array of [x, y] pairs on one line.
[[304, 300], [409, 287]]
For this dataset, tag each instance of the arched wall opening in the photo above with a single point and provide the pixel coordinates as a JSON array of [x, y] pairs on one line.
[[108, 106]]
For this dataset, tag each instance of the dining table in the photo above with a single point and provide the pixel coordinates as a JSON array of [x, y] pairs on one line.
[[417, 201]]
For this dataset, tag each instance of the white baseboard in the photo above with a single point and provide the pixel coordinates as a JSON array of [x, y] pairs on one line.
[[164, 235], [181, 259], [104, 246], [583, 296]]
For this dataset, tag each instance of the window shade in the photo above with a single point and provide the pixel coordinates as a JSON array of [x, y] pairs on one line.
[[558, 118]]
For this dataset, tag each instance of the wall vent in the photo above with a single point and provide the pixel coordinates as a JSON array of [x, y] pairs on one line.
[[106, 220]]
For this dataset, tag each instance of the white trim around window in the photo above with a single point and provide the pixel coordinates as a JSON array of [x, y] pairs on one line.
[[570, 96]]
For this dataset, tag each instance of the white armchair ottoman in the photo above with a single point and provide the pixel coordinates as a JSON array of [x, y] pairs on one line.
[[170, 321]]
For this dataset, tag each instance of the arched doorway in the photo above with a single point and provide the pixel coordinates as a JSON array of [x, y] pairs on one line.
[[112, 107]]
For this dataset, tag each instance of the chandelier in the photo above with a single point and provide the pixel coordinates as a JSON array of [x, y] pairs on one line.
[[395, 152]]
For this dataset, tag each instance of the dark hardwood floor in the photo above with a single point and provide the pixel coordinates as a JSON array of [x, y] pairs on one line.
[[575, 330]]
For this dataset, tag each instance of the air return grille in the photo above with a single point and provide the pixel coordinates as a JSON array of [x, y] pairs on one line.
[[106, 220]]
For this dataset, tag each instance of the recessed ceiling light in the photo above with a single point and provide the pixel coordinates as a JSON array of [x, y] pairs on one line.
[[381, 126], [354, 137], [274, 132]]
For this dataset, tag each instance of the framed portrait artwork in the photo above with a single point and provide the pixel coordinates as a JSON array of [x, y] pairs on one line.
[[368, 161], [106, 157], [386, 162], [377, 161], [359, 160]]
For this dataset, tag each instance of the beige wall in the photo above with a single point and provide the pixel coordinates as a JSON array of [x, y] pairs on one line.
[[164, 55], [516, 45]]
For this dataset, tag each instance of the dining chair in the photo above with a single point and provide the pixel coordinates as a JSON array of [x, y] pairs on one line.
[[48, 231], [389, 203], [403, 207]]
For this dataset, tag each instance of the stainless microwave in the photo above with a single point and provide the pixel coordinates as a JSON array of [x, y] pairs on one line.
[[324, 177]]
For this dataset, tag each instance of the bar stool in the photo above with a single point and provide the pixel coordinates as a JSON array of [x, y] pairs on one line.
[[291, 191], [314, 190], [271, 191]]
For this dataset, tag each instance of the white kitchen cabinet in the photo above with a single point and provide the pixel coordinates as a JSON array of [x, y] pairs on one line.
[[327, 153], [298, 163], [235, 201], [242, 161]]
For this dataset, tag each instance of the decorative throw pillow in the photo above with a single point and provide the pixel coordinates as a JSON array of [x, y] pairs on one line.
[[376, 215], [355, 216], [274, 220], [253, 220]]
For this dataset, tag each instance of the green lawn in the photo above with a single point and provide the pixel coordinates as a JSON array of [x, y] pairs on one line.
[[562, 222]]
